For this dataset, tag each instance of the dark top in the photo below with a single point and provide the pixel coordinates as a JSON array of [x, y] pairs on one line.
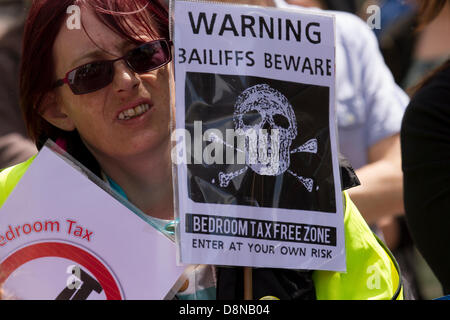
[[425, 139]]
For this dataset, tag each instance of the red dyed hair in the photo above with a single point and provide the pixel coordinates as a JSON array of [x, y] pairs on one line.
[[46, 18]]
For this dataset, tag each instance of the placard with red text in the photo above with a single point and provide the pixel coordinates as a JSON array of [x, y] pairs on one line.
[[63, 237]]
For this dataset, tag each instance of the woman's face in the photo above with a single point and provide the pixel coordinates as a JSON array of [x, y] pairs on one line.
[[99, 116]]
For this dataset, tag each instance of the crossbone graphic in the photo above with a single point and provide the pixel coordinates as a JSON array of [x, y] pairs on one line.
[[258, 110]]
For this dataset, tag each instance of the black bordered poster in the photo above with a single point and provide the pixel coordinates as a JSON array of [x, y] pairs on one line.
[[256, 166]]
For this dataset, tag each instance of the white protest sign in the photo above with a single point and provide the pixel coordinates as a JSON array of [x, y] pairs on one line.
[[255, 146], [62, 237]]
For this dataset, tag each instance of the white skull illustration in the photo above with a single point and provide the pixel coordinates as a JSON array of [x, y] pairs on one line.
[[260, 108]]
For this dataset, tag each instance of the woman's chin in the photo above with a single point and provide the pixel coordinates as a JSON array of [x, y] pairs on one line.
[[147, 148]]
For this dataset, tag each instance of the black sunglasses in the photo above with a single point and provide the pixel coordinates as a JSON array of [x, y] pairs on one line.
[[96, 75]]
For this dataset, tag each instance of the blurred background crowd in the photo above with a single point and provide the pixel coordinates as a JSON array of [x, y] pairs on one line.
[[409, 52]]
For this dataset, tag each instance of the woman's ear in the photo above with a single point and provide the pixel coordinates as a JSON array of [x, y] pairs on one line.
[[52, 111]]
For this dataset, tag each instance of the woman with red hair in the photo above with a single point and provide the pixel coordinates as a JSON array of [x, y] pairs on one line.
[[80, 102]]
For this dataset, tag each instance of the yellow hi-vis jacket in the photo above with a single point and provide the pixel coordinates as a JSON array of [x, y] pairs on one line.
[[372, 272]]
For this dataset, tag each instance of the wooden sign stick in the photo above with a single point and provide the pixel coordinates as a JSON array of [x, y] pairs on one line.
[[248, 283]]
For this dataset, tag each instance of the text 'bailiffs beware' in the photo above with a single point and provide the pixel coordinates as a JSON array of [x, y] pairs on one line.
[[258, 27]]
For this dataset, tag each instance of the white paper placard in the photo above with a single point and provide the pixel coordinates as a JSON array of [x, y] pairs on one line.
[[63, 237], [232, 62]]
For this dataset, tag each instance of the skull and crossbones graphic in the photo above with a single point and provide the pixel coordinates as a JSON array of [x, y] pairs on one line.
[[266, 121]]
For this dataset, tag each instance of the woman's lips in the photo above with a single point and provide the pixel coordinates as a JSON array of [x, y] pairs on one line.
[[134, 111]]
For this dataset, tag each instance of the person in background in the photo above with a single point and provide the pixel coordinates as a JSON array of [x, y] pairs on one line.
[[425, 144], [397, 43], [350, 6], [370, 107], [432, 45], [413, 49], [15, 146], [390, 11]]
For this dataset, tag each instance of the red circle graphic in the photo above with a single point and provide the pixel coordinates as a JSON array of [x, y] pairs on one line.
[[67, 251]]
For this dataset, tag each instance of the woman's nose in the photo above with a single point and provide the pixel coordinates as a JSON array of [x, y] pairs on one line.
[[125, 79]]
